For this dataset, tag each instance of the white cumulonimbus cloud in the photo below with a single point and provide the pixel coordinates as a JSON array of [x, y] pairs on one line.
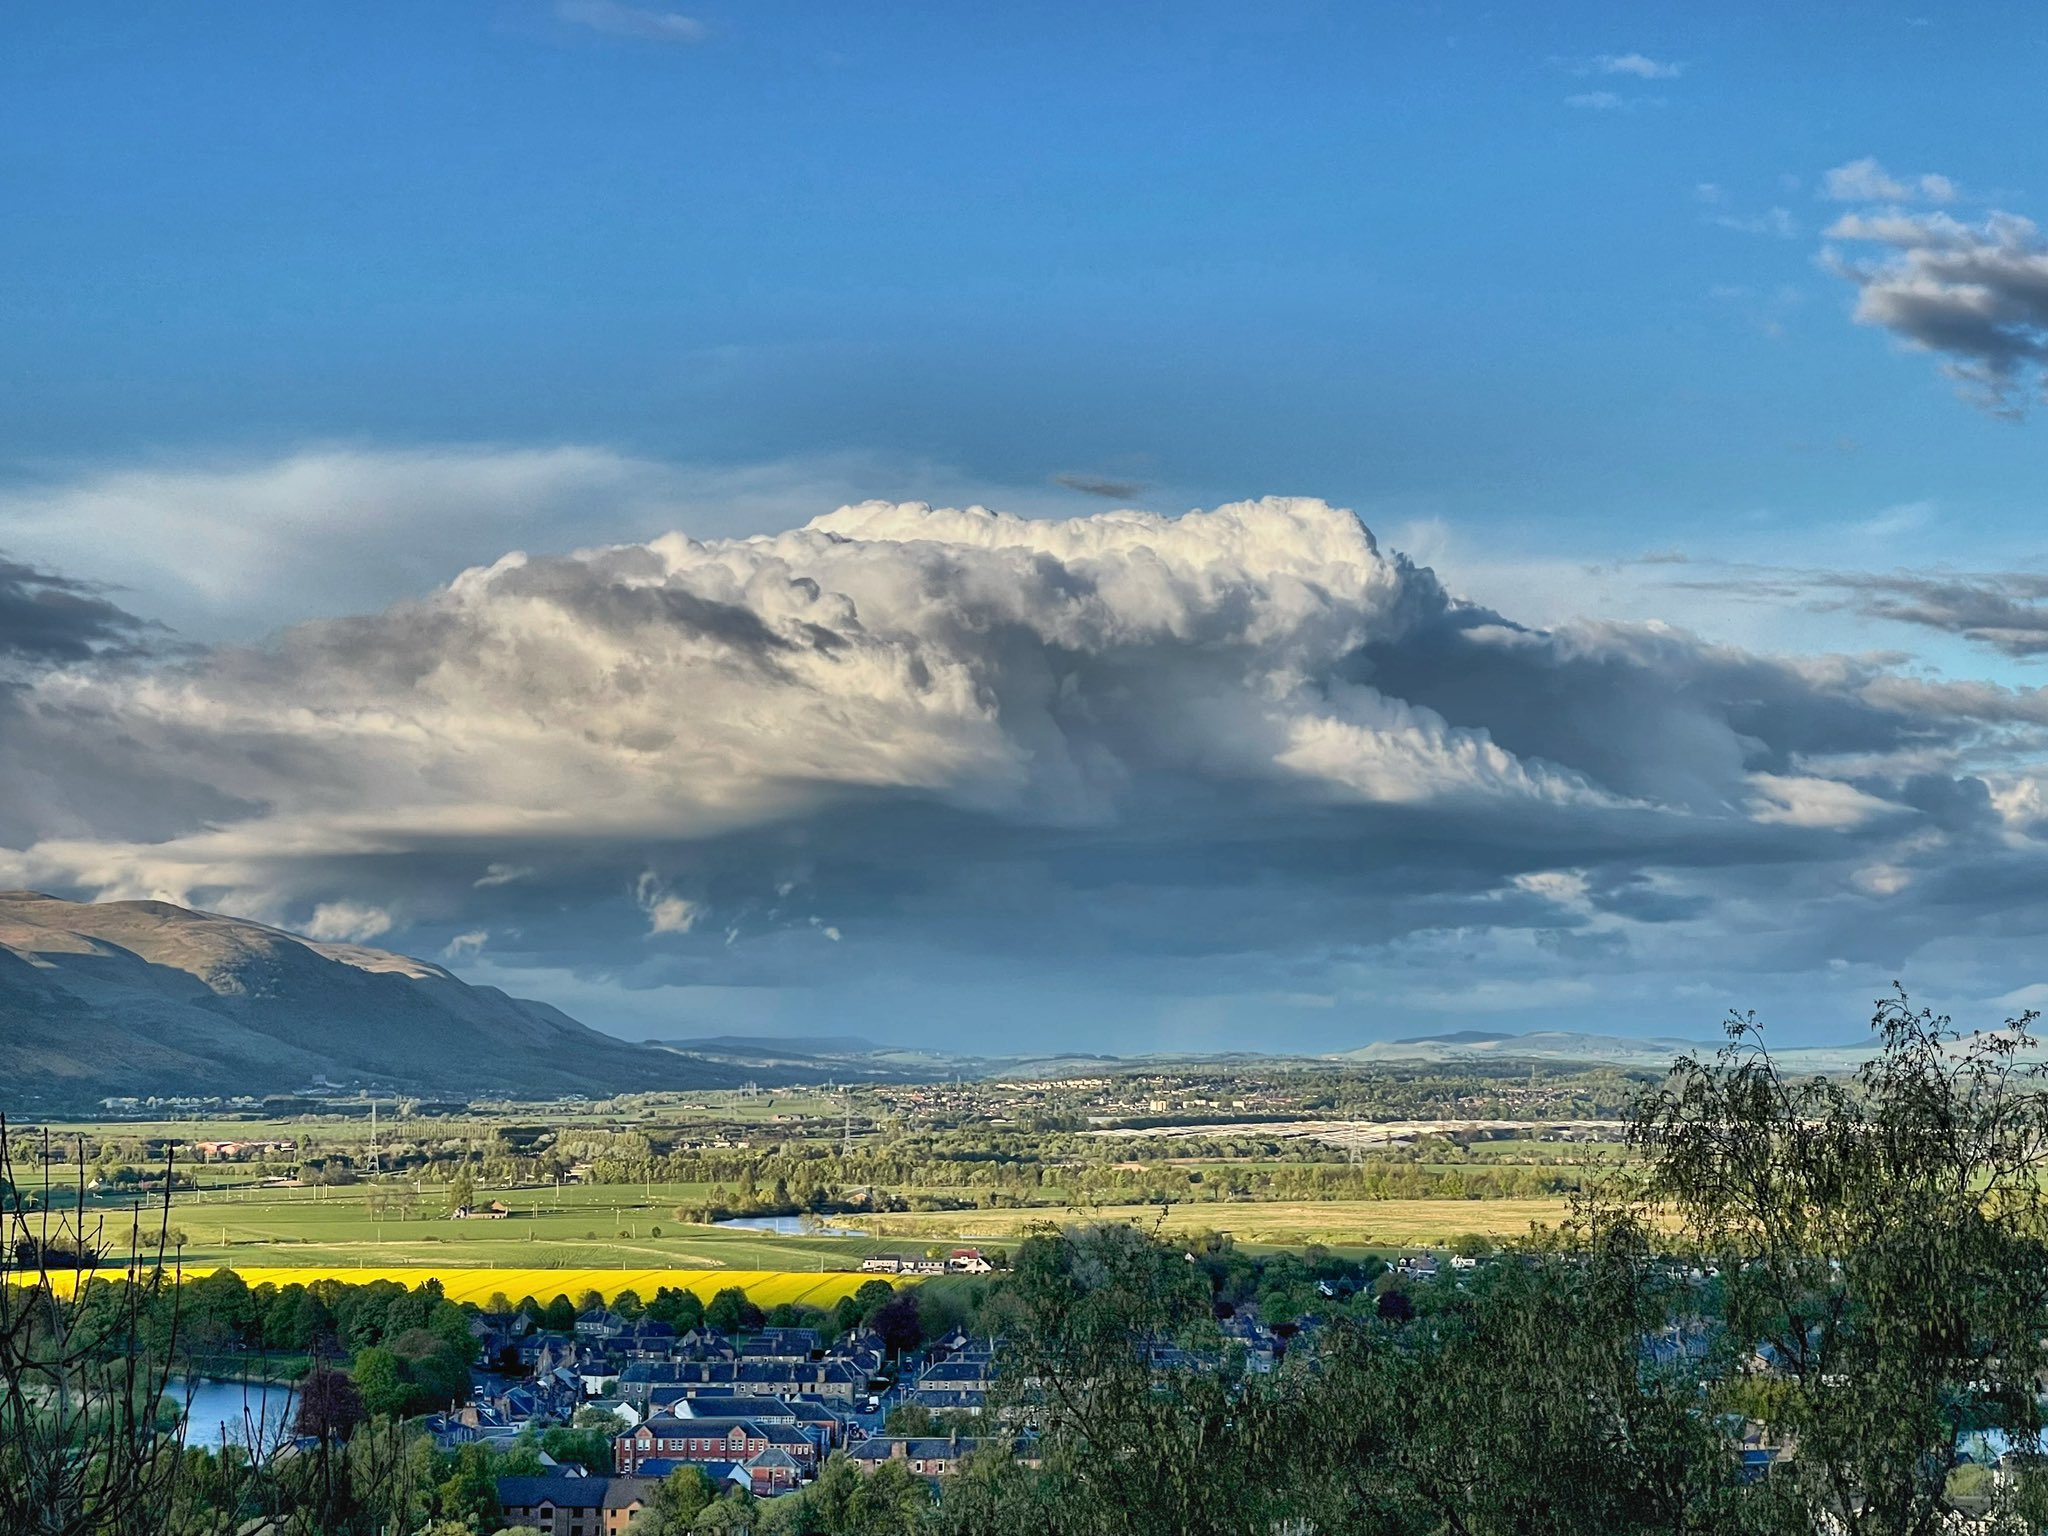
[[1242, 741]]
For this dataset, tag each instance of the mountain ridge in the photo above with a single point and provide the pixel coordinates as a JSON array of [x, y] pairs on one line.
[[101, 998]]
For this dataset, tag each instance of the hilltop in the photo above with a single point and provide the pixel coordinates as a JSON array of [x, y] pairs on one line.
[[120, 997]]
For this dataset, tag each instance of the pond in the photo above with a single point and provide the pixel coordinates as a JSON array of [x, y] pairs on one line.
[[219, 1412], [787, 1226]]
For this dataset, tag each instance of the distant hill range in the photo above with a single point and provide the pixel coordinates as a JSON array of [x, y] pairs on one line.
[[143, 997], [1654, 1052], [147, 998], [1539, 1045], [830, 1058]]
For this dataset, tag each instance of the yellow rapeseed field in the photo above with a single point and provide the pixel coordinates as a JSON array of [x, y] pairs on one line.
[[764, 1287]]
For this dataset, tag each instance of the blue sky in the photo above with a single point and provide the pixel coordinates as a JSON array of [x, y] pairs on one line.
[[1367, 252], [1537, 291]]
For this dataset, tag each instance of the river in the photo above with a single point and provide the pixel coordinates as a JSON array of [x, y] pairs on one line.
[[219, 1412], [787, 1226]]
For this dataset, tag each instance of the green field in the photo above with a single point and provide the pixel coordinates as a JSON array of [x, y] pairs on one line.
[[1279, 1223], [633, 1227], [575, 1227]]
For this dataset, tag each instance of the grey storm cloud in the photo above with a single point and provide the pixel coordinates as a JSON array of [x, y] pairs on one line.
[[1974, 294], [2004, 610], [46, 617], [2007, 611], [1242, 750], [1107, 486]]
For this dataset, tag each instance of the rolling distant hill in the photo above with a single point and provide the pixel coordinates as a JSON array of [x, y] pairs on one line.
[[142, 997], [1655, 1052], [1539, 1045], [835, 1058]]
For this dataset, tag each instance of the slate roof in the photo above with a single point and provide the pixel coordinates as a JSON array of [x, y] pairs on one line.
[[562, 1492], [915, 1447]]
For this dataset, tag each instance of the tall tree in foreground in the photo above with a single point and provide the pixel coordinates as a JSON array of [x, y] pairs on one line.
[[1551, 1394], [1879, 1245], [1149, 1421], [81, 1447]]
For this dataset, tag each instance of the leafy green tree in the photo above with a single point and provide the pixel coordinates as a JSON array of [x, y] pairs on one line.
[[219, 1314], [437, 1371], [889, 1501], [470, 1492], [994, 1494], [522, 1457], [1083, 1321], [450, 1324], [297, 1320], [461, 1192], [731, 1312], [559, 1316], [381, 1383], [1523, 1402], [1879, 1245], [872, 1294], [588, 1448], [910, 1419], [734, 1512], [675, 1502], [679, 1308]]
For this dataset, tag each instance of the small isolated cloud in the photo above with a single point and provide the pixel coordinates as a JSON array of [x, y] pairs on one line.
[[1866, 181], [666, 912], [1600, 101], [466, 946], [1102, 485], [633, 21], [1777, 222], [1976, 295], [502, 874], [1638, 65], [347, 922]]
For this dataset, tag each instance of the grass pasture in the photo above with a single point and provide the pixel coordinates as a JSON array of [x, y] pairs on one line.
[[360, 1230], [1335, 1223], [578, 1227]]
